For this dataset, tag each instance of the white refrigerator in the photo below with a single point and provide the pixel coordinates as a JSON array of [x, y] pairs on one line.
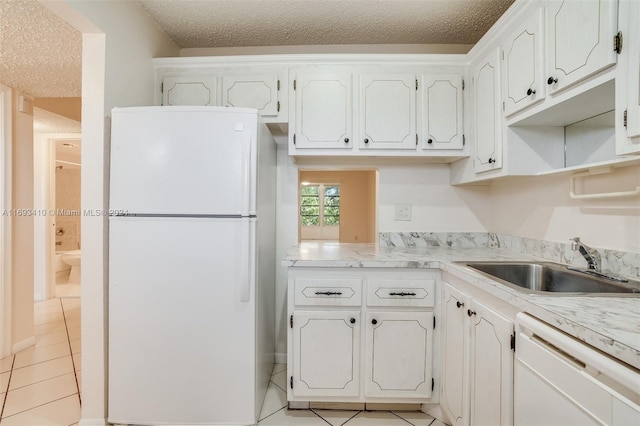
[[191, 265]]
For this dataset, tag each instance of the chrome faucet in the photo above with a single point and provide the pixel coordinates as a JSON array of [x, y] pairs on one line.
[[594, 261]]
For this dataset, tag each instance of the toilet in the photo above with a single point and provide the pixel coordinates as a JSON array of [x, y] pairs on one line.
[[72, 258]]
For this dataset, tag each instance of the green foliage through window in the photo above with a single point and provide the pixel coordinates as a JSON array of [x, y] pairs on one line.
[[320, 204]]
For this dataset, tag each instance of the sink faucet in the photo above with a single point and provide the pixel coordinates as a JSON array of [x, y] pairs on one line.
[[591, 255]]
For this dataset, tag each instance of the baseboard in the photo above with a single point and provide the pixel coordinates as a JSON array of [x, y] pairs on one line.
[[93, 422], [23, 344], [281, 358]]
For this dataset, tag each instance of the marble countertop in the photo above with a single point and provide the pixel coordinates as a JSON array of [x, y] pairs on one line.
[[610, 324]]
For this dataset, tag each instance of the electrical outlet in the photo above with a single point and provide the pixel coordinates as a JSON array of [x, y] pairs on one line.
[[403, 212]]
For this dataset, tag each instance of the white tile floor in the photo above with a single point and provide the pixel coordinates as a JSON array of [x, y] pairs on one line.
[[40, 386]]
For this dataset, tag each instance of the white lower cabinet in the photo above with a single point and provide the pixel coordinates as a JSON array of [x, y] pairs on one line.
[[477, 353], [343, 347]]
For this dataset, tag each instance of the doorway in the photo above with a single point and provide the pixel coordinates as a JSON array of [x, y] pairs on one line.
[[337, 205]]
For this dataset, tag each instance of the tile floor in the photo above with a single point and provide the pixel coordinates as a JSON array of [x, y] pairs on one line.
[[275, 411], [40, 386]]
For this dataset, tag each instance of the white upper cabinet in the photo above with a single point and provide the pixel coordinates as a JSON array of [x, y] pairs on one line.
[[486, 112], [258, 91], [388, 111], [190, 90], [323, 111], [440, 112], [524, 66], [628, 81], [580, 38]]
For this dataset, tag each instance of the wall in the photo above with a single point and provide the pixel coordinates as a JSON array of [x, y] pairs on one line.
[[68, 199], [119, 41], [540, 207], [22, 229], [357, 206]]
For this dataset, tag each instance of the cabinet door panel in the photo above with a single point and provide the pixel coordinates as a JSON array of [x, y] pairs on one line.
[[440, 112], [189, 90], [326, 353], [491, 367], [324, 105], [580, 39], [404, 371], [524, 73], [252, 91], [388, 111], [628, 81], [454, 398], [486, 114]]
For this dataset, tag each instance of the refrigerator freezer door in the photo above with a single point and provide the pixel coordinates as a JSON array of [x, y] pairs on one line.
[[181, 341], [183, 161]]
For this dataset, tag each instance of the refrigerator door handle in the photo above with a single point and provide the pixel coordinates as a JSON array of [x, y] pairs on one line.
[[245, 261], [246, 171]]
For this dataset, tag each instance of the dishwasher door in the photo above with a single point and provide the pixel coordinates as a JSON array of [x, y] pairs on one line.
[[561, 381]]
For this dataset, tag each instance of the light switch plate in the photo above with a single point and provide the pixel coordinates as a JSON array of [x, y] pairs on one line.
[[403, 212]]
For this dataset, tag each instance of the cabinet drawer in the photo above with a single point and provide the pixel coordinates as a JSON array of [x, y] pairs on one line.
[[401, 292], [328, 292]]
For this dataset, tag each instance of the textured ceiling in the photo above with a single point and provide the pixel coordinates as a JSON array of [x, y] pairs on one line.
[[40, 54], [49, 122], [231, 23]]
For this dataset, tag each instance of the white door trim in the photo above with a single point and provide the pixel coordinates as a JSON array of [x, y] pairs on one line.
[[5, 220]]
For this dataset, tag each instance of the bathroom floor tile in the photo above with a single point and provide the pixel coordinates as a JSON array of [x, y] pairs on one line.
[[51, 338], [376, 418], [47, 318], [40, 393], [50, 327], [76, 346], [77, 361], [64, 411], [6, 363], [336, 417], [74, 333], [40, 372], [286, 417], [4, 381], [73, 322], [36, 354], [416, 418], [275, 399]]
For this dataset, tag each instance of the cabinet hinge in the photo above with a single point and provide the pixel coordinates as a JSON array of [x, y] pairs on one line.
[[291, 382], [464, 140], [291, 321], [513, 341], [624, 118], [294, 142], [502, 52], [278, 85], [503, 105], [278, 106], [162, 87], [433, 384], [463, 84], [294, 85], [434, 323], [416, 84], [416, 139], [617, 42]]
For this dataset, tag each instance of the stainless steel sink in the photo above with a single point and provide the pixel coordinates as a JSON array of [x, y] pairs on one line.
[[548, 277]]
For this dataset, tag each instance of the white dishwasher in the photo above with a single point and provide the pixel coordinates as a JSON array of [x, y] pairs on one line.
[[562, 381]]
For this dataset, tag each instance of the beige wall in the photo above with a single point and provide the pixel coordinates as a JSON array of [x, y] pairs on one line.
[[22, 229], [357, 202]]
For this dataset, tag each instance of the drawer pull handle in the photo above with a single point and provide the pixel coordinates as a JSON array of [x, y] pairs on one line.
[[352, 320], [401, 294], [329, 293], [374, 321], [470, 312], [459, 304]]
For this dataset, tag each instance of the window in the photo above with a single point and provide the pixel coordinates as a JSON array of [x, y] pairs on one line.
[[320, 210]]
